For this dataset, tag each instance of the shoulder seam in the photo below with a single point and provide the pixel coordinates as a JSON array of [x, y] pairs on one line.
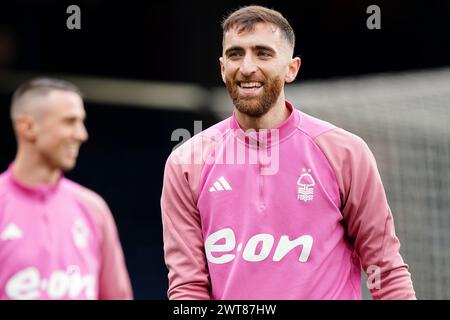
[[329, 164], [299, 126], [85, 194], [325, 131]]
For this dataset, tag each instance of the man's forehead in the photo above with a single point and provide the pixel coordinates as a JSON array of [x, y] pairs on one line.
[[66, 101]]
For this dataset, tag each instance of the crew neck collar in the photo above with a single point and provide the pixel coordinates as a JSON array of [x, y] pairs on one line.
[[41, 190]]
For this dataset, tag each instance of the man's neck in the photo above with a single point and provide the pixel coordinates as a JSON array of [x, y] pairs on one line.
[[30, 170], [272, 119]]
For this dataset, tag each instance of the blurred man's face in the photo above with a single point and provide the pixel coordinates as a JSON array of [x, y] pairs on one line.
[[255, 65], [60, 129]]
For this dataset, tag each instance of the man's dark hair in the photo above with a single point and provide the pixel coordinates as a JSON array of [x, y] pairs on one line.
[[246, 17]]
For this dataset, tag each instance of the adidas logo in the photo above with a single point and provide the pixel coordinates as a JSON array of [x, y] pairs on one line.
[[11, 232], [220, 185]]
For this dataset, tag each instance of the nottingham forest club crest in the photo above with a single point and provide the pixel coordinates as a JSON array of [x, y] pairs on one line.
[[80, 233], [305, 186]]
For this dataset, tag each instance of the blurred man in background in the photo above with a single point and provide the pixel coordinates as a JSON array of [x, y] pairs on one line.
[[58, 239], [296, 224]]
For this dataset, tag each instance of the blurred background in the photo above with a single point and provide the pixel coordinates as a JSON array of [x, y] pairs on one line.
[[148, 68]]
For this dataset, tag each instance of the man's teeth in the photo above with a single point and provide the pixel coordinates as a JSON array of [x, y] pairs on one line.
[[250, 84], [72, 149]]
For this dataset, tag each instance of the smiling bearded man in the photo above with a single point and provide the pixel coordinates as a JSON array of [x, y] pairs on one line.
[[302, 231]]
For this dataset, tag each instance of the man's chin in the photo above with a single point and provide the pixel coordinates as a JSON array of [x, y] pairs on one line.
[[67, 166], [251, 108]]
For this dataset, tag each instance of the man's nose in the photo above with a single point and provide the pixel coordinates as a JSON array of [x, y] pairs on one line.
[[248, 66], [81, 133]]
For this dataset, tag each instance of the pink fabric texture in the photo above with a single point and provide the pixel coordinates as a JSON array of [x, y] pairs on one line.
[[58, 242], [295, 216]]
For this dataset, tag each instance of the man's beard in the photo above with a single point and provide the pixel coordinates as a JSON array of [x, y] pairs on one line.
[[256, 106]]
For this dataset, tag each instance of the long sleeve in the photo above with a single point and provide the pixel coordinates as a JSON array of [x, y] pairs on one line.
[[182, 234], [114, 281], [366, 214]]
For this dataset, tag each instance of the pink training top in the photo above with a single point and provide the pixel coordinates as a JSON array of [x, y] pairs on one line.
[[293, 213], [58, 242]]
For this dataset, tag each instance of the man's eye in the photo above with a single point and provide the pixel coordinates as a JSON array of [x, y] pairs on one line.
[[264, 54], [233, 54], [69, 121]]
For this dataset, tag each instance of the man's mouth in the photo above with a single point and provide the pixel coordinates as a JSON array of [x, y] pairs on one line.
[[249, 87], [72, 150], [253, 84]]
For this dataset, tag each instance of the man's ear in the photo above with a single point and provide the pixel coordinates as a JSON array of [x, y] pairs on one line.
[[26, 127], [222, 69], [293, 67]]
